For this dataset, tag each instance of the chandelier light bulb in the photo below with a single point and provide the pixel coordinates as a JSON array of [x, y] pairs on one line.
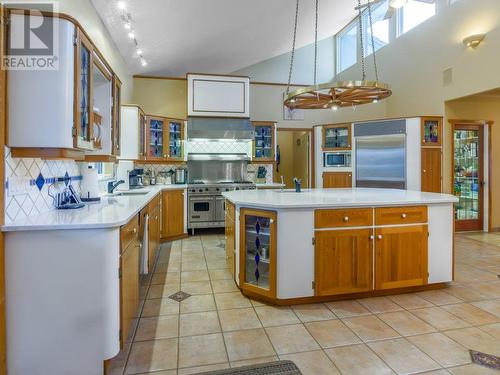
[[335, 108], [131, 35], [138, 51], [375, 100], [127, 25], [144, 62], [121, 5]]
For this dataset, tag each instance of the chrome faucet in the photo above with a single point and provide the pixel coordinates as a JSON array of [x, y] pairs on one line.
[[297, 184], [112, 186], [282, 183]]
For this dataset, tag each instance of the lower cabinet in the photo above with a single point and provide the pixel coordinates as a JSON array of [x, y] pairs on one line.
[[401, 256], [343, 261], [258, 251], [230, 236], [431, 169], [337, 180], [173, 214], [153, 231]]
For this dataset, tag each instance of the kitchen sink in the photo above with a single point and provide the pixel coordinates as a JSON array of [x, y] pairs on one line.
[[125, 193]]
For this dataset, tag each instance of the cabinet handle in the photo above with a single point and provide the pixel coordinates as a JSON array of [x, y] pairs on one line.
[[425, 170], [379, 237], [403, 216], [346, 218], [271, 221], [164, 156], [372, 237], [156, 217]]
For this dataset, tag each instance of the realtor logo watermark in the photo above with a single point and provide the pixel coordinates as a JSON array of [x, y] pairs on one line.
[[32, 37]]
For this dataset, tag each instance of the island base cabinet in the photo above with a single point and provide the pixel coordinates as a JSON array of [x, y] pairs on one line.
[[343, 261], [129, 287], [230, 237], [401, 257], [173, 214]]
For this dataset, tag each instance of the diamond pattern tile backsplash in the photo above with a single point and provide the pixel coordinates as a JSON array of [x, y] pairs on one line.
[[252, 172], [219, 147], [41, 174]]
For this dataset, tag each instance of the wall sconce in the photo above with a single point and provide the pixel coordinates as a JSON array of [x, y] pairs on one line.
[[474, 40]]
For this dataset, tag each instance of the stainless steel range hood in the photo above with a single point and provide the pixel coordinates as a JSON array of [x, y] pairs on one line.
[[219, 128]]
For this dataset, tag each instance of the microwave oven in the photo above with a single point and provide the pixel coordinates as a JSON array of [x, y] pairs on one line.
[[337, 159]]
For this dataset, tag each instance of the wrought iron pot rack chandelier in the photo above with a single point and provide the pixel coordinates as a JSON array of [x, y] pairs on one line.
[[337, 94]]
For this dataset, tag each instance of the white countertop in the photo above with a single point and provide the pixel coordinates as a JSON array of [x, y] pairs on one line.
[[271, 185], [323, 198], [112, 211]]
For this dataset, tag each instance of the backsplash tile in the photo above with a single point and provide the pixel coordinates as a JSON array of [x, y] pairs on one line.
[[252, 172], [41, 174], [219, 147]]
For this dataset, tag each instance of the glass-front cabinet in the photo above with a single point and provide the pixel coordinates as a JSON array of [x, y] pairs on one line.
[[258, 251], [336, 137], [83, 109], [115, 131], [264, 140], [164, 138], [431, 130]]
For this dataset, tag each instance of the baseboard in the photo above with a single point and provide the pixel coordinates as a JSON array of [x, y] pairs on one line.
[[494, 230], [174, 238]]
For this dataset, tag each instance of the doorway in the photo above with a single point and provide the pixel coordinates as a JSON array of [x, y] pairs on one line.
[[294, 154], [468, 175]]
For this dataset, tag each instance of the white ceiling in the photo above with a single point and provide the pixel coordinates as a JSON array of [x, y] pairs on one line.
[[216, 36]]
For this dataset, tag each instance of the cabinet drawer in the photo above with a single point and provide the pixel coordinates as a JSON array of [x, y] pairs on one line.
[[154, 204], [128, 233], [400, 215], [350, 217]]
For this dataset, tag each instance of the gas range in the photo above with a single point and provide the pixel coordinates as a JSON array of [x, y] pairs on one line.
[[217, 188]]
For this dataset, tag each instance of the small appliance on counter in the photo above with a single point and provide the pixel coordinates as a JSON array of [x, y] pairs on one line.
[[90, 185], [261, 175], [135, 178], [67, 199], [180, 176]]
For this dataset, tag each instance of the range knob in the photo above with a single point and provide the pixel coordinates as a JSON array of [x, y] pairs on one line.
[[201, 190], [227, 189], [206, 189], [237, 188], [217, 189]]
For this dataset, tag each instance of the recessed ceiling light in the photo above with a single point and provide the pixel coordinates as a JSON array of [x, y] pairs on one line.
[[144, 62], [138, 51], [121, 5], [131, 35], [127, 25]]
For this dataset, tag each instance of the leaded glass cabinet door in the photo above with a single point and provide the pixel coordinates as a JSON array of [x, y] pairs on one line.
[[175, 138], [336, 137], [432, 129], [83, 103], [155, 137], [117, 90], [258, 251], [468, 176], [264, 141]]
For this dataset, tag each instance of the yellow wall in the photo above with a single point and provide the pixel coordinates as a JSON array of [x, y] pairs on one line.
[[478, 108], [294, 157], [163, 97]]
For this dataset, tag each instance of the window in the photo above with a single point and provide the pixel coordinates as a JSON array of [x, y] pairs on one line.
[[413, 14], [347, 47], [380, 27], [105, 171]]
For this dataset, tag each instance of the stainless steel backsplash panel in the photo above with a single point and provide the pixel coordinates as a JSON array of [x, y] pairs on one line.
[[215, 170]]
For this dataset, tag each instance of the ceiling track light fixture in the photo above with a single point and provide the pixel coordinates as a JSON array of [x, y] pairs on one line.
[[127, 24], [335, 95]]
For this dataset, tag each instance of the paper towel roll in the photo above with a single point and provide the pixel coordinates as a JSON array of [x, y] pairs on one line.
[[90, 184]]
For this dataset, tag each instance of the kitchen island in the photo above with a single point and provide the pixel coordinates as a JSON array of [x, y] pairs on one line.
[[325, 244]]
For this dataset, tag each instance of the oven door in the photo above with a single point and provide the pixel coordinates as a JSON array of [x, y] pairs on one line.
[[220, 208], [201, 209]]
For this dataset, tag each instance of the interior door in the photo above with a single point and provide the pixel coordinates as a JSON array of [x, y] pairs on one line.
[[467, 174]]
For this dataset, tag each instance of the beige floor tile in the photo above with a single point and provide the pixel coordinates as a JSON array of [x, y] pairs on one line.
[[358, 360], [403, 357], [475, 339], [347, 309], [491, 329], [370, 328], [161, 306], [379, 305], [200, 369], [193, 266], [313, 312], [217, 265], [117, 364], [332, 333], [438, 297], [161, 327], [189, 276], [164, 372], [153, 355], [492, 306], [257, 303], [220, 275], [224, 286], [275, 316], [239, 319], [200, 323], [435, 372], [439, 318], [143, 291], [254, 361], [490, 289], [162, 268], [165, 278], [235, 300], [471, 314], [132, 330], [162, 291], [201, 350], [198, 303], [406, 323], [291, 339], [248, 344], [464, 293], [472, 369], [312, 363], [442, 349], [410, 301], [196, 287]]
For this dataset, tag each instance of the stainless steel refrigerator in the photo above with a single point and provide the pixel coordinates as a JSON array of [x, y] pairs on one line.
[[380, 158]]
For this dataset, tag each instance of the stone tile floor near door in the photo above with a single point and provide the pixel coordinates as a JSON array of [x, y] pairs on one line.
[[217, 327]]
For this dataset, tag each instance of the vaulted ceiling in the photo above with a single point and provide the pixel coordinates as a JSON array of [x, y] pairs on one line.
[[215, 36]]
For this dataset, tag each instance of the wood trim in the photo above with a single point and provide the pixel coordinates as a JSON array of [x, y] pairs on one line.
[[106, 72], [470, 122], [168, 78], [100, 158], [165, 117], [313, 157], [174, 238], [261, 83], [341, 297], [440, 130], [47, 153], [215, 75], [336, 126], [378, 119], [490, 180], [133, 105], [3, 122], [154, 161]]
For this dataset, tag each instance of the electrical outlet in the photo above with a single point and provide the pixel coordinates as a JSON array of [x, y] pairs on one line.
[[18, 185]]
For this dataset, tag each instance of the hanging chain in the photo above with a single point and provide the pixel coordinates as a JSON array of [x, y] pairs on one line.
[[293, 47], [316, 44], [363, 69], [373, 40]]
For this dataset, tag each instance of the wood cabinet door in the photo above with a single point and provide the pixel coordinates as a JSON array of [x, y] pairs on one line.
[[401, 256], [337, 180], [116, 123], [230, 244], [174, 139], [153, 237], [336, 137], [156, 138], [264, 142], [129, 288], [343, 261], [173, 213], [431, 170]]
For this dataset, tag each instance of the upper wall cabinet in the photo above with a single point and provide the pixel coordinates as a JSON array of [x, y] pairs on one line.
[[264, 143], [132, 136], [432, 130], [336, 137], [218, 96], [69, 112], [164, 139]]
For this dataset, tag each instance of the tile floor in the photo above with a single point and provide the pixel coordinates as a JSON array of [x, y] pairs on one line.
[[217, 327]]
